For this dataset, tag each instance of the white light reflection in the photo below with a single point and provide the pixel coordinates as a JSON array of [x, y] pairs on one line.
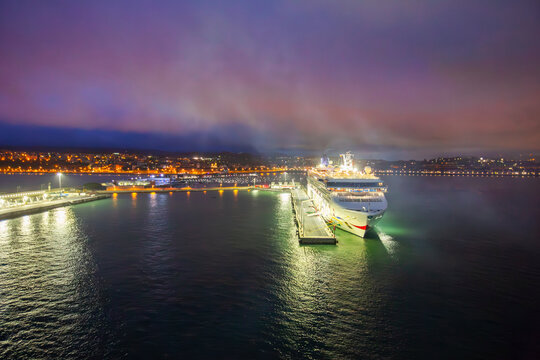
[[60, 216], [25, 224], [4, 230], [45, 218], [388, 242], [284, 199]]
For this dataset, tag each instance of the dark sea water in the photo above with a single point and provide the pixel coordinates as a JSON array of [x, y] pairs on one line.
[[453, 273]]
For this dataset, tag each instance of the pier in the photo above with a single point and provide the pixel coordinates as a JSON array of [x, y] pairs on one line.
[[312, 228], [26, 203], [120, 190]]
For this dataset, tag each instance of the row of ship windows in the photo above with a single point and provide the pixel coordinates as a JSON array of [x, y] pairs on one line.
[[354, 190], [353, 185], [359, 199]]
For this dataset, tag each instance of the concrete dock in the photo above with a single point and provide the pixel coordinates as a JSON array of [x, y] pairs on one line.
[[121, 190], [312, 228], [44, 205]]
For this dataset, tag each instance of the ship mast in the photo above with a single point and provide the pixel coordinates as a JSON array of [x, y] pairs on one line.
[[347, 161]]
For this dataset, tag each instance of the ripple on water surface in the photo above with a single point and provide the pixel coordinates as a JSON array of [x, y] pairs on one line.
[[160, 275]]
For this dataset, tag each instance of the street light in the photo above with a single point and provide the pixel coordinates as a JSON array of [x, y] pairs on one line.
[[60, 181]]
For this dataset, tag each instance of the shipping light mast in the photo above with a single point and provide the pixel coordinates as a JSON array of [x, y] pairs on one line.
[[347, 160]]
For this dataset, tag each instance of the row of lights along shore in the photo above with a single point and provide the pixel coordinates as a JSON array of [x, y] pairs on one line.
[[457, 173]]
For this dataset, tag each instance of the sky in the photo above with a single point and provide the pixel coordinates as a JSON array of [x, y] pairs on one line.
[[385, 78]]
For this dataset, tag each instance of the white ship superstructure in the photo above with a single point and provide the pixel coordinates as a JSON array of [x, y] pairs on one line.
[[351, 200]]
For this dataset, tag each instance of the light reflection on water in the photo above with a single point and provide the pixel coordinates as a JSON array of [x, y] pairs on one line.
[[4, 230], [47, 288], [389, 243], [161, 275], [24, 226], [285, 200], [45, 217]]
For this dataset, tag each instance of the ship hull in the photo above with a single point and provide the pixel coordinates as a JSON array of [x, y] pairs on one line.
[[352, 221]]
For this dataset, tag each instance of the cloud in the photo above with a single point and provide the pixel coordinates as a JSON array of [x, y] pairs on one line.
[[408, 74]]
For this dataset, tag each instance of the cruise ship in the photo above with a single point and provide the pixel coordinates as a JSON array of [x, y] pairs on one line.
[[347, 198]]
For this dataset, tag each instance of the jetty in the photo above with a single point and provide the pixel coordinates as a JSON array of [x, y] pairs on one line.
[[312, 228], [149, 190], [26, 203]]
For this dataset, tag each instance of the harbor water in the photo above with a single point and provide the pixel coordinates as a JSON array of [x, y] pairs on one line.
[[452, 272]]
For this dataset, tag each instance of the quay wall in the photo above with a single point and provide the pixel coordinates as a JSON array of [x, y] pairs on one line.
[[36, 208], [119, 190]]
